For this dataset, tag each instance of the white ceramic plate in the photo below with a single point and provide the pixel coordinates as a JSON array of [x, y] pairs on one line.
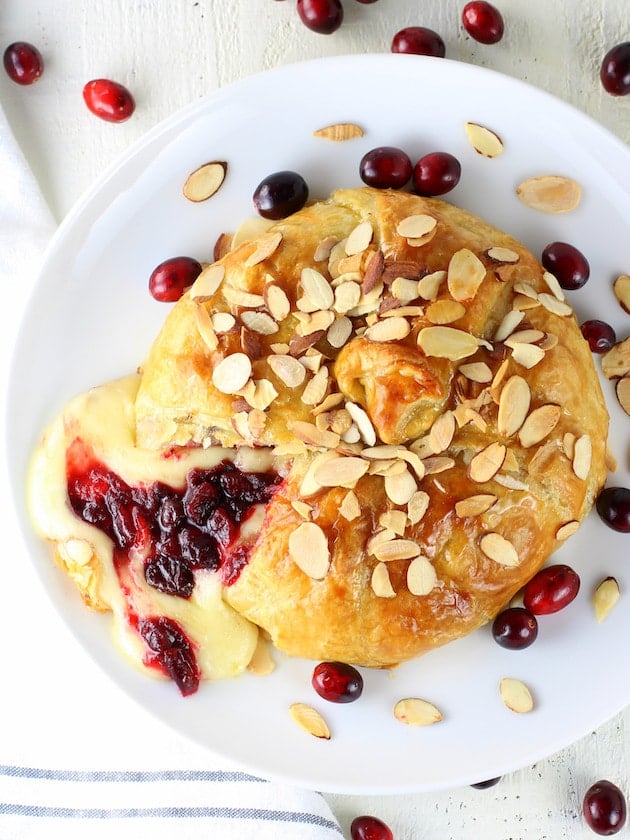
[[92, 319]]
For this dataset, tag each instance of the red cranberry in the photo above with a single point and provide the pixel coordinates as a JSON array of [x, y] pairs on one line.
[[604, 808], [170, 649], [108, 100], [483, 22], [436, 174], [551, 589], [615, 70], [488, 783], [515, 628], [600, 335], [567, 264], [613, 506], [385, 167], [418, 40], [23, 62], [170, 279], [370, 828], [280, 194], [337, 682], [323, 16]]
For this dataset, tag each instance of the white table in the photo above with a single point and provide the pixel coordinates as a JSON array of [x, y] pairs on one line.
[[171, 53]]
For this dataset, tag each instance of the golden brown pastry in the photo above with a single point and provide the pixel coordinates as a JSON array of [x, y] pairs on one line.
[[432, 391]]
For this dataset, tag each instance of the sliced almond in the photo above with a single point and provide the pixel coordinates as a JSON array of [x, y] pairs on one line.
[[442, 431], [395, 520], [499, 549], [582, 454], [421, 576], [567, 530], [316, 389], [621, 288], [555, 306], [509, 323], [476, 372], [416, 712], [240, 298], [312, 436], [223, 322], [341, 471], [528, 336], [437, 463], [207, 282], [486, 464], [350, 508], [550, 193], [447, 343], [503, 255], [339, 332], [205, 328], [475, 505], [400, 488], [445, 311], [359, 238], [396, 550], [222, 246], [516, 695], [364, 424], [527, 355], [308, 548], [317, 289], [540, 423], [380, 582], [605, 597], [259, 322], [232, 373], [616, 362], [287, 369], [465, 274], [310, 720], [404, 289], [552, 284], [302, 509], [205, 181], [417, 506], [265, 247], [416, 226], [339, 132], [429, 285], [514, 404], [277, 302], [388, 329], [622, 389], [263, 394], [483, 140]]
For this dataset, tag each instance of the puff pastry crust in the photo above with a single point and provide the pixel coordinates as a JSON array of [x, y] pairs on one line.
[[434, 397]]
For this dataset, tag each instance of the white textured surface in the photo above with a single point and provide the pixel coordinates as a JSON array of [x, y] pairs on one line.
[[170, 52]]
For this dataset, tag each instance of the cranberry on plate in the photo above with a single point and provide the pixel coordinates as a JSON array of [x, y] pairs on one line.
[[613, 507], [436, 174], [280, 194], [337, 682], [23, 62], [385, 167], [108, 100], [568, 265], [551, 589], [170, 279], [599, 335]]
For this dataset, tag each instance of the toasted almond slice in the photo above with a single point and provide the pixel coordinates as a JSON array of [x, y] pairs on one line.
[[445, 311], [442, 431], [486, 463], [347, 296], [389, 329], [395, 520], [516, 695], [223, 322], [621, 288], [359, 238], [287, 369], [308, 548], [510, 482], [567, 530], [503, 255], [550, 193], [350, 508], [552, 284], [509, 323], [205, 181], [250, 228], [381, 584], [465, 274], [316, 389], [522, 303], [205, 328], [400, 488], [232, 373], [514, 404], [302, 509], [582, 454], [416, 226], [416, 712], [421, 576], [328, 403], [339, 332], [324, 248], [529, 336], [364, 424], [622, 389], [435, 464], [499, 549], [339, 132], [540, 423], [222, 246], [238, 297], [380, 452], [259, 322], [263, 395], [312, 436], [475, 505], [404, 289], [429, 285], [207, 282], [447, 343], [555, 306], [476, 372], [417, 506], [527, 355], [341, 471], [277, 302], [616, 362], [265, 247], [605, 597], [310, 720], [396, 550], [316, 288], [261, 664], [483, 140]]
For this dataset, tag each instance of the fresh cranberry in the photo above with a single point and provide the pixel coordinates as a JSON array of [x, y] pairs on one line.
[[515, 628], [170, 279], [418, 40], [23, 62], [483, 22], [385, 167], [108, 100], [170, 649], [613, 506], [323, 16], [488, 783], [436, 174], [280, 194], [604, 808], [551, 589], [615, 70], [337, 682], [568, 265], [599, 335], [370, 828]]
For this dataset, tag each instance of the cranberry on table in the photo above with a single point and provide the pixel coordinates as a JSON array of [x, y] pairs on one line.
[[370, 828], [568, 265], [108, 100], [436, 174], [385, 167], [323, 16], [337, 682], [170, 279], [515, 628], [600, 335], [604, 808], [23, 62], [615, 70], [280, 194], [551, 589], [418, 40], [613, 507], [483, 22]]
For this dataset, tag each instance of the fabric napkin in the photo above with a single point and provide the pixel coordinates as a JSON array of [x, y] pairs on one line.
[[77, 758]]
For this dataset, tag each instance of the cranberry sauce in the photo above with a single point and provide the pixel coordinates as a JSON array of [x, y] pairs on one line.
[[177, 530]]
